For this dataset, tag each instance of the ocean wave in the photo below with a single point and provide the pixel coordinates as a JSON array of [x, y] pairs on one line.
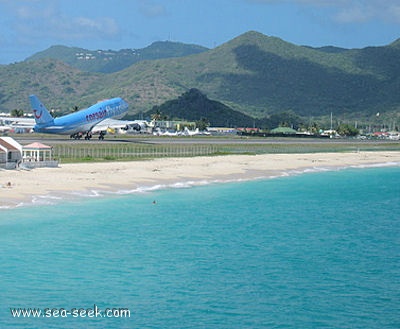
[[377, 165], [57, 197]]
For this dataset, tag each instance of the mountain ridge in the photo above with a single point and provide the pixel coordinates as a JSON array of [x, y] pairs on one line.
[[255, 74], [109, 61]]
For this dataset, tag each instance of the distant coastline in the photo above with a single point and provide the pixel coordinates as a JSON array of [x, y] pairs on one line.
[[42, 185]]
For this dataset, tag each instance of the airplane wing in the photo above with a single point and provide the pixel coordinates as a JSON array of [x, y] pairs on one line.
[[111, 124]]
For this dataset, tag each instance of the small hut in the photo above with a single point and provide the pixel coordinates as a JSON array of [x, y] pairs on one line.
[[38, 155]]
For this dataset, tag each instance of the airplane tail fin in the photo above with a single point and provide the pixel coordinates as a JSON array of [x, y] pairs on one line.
[[41, 114]]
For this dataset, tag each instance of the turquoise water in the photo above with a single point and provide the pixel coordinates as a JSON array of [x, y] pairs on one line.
[[318, 250]]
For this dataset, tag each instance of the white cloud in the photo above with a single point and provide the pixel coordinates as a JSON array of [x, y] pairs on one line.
[[312, 2], [33, 20], [355, 14], [84, 27], [351, 11], [368, 10], [150, 8], [393, 11]]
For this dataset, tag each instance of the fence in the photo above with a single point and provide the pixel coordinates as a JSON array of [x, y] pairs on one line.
[[131, 151]]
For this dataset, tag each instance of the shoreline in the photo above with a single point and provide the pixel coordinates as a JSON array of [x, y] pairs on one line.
[[68, 181]]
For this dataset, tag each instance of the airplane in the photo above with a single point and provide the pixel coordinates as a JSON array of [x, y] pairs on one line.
[[188, 132], [158, 132], [16, 124], [78, 123]]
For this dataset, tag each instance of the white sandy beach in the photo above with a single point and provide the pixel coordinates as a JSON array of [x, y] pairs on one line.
[[21, 186]]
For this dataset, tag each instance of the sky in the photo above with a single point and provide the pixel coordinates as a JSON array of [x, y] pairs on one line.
[[30, 26]]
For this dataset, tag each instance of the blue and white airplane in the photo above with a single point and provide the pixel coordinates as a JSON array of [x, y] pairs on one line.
[[78, 123]]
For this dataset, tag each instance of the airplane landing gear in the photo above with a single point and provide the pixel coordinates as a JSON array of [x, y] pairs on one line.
[[88, 135], [76, 136]]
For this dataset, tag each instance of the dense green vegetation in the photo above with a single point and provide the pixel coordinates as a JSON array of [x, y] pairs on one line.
[[193, 106], [257, 75], [58, 85]]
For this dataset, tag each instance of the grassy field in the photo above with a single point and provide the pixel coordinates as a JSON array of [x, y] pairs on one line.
[[139, 147], [97, 151]]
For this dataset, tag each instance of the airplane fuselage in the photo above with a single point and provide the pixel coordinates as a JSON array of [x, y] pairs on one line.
[[83, 120]]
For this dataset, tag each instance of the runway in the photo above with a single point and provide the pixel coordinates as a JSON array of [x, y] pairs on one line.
[[204, 140]]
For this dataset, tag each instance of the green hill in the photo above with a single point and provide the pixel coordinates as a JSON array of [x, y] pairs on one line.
[[260, 75], [108, 61], [58, 85], [253, 74], [194, 106]]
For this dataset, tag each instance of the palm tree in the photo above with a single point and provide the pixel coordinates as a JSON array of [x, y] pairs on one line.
[[156, 116], [17, 113]]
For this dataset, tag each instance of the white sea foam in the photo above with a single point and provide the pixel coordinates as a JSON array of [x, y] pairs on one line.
[[377, 165], [47, 199], [57, 197]]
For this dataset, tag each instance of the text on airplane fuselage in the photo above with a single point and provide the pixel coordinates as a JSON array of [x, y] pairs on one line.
[[96, 115], [102, 113]]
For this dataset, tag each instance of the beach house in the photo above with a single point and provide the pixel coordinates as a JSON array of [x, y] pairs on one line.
[[10, 153]]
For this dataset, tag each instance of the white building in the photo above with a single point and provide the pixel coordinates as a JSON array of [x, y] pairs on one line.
[[10, 153]]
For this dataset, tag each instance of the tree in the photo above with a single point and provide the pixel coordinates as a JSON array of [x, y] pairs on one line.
[[314, 128], [156, 116], [202, 124], [17, 113], [285, 119], [347, 130]]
